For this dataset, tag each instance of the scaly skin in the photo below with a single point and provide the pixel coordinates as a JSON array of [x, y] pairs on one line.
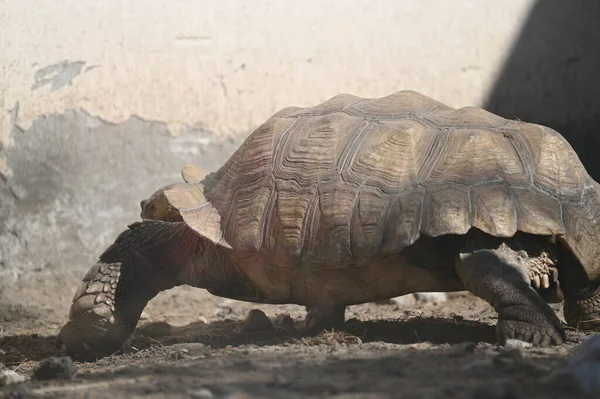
[[144, 260], [157, 208], [583, 314], [156, 255], [522, 313]]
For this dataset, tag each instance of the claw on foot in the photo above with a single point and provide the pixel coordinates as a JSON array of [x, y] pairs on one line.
[[94, 329], [89, 340], [144, 260], [527, 332], [542, 271]]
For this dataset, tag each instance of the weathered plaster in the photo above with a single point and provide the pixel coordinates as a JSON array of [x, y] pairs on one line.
[[230, 64], [77, 182]]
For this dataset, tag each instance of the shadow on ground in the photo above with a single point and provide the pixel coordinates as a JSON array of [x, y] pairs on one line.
[[415, 330], [551, 75], [226, 333], [371, 370]]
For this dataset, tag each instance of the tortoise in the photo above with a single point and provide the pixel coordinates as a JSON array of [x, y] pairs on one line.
[[362, 199]]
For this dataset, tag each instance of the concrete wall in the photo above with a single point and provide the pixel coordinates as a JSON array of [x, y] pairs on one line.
[[552, 75], [105, 101]]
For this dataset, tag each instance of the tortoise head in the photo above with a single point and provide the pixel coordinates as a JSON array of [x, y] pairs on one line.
[[157, 207]]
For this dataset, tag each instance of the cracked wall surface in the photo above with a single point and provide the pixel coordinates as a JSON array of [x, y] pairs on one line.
[[103, 102]]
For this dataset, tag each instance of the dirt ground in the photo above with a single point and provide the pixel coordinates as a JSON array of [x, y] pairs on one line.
[[189, 345]]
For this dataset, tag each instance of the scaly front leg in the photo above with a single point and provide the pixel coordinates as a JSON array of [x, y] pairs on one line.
[[499, 279], [144, 260]]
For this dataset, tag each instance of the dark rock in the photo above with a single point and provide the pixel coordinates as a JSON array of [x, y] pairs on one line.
[[256, 321], [285, 324], [55, 368], [582, 370]]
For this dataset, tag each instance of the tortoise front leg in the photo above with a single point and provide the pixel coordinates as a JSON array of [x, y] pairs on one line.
[[144, 260], [501, 281]]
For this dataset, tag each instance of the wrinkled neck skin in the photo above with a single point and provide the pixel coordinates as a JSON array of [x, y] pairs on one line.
[[207, 264], [166, 254], [212, 268]]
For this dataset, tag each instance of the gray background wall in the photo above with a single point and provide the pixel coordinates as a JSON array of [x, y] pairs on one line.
[[103, 102]]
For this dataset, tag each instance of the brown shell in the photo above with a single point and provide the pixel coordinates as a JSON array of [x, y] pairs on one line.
[[351, 178]]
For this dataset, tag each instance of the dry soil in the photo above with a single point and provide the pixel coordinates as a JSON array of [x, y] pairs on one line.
[[189, 345]]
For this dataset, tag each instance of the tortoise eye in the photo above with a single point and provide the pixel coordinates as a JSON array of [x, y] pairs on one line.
[[148, 209]]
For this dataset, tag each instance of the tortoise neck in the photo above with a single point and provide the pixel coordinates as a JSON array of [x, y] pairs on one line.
[[209, 265], [170, 254], [216, 271]]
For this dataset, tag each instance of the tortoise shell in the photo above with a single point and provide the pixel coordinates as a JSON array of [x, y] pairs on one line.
[[334, 185]]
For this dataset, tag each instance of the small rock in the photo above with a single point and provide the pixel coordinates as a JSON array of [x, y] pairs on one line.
[[257, 320], [54, 368], [144, 316], [563, 380], [9, 377], [284, 323], [203, 319], [517, 344], [582, 369], [203, 393], [431, 297], [405, 301]]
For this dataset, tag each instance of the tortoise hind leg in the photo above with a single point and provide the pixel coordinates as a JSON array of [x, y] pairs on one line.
[[582, 295], [324, 317], [497, 276]]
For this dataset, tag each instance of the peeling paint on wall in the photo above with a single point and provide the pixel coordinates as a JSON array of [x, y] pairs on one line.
[[57, 75], [218, 63], [77, 182]]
